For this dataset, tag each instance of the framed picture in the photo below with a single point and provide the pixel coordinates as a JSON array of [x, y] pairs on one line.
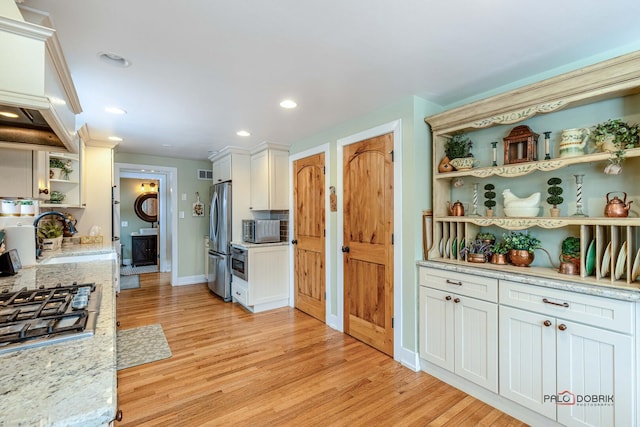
[[198, 207]]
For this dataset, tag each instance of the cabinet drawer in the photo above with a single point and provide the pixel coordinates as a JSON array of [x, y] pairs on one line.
[[463, 284], [239, 293], [588, 309]]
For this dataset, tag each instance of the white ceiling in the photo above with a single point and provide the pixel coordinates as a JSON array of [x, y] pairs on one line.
[[202, 70]]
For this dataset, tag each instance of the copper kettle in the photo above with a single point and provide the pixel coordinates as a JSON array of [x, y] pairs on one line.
[[616, 207], [457, 209]]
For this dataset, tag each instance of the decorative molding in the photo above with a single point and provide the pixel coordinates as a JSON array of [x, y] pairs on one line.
[[517, 116]]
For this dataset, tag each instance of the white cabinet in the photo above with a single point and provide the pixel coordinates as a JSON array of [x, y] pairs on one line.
[[553, 364], [233, 164], [458, 331], [16, 177], [270, 178], [221, 169], [70, 185], [267, 286]]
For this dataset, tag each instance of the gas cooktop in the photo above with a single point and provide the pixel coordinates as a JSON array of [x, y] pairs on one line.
[[36, 317]]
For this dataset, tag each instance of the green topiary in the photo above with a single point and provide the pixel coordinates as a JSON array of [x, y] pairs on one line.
[[489, 195], [554, 199]]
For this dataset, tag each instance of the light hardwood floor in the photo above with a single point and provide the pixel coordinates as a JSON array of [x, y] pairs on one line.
[[277, 368]]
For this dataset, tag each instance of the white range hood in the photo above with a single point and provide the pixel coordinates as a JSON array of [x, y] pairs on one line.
[[35, 84]]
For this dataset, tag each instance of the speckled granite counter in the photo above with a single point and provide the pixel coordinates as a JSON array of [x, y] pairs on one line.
[[71, 383], [627, 293]]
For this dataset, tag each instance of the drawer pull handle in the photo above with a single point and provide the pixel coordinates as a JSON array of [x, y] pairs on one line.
[[562, 327], [564, 304], [448, 297], [547, 323], [451, 282], [457, 300]]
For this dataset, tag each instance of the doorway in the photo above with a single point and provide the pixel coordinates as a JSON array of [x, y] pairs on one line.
[[166, 177], [370, 274]]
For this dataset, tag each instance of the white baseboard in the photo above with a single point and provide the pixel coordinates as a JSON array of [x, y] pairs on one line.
[[190, 280], [409, 359]]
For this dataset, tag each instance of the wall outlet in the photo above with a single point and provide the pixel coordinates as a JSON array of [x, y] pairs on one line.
[[124, 224], [184, 196]]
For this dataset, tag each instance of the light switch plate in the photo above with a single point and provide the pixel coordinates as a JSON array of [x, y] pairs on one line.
[[124, 224], [181, 214], [184, 196]]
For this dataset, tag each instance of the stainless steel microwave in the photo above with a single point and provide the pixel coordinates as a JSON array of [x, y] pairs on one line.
[[260, 230]]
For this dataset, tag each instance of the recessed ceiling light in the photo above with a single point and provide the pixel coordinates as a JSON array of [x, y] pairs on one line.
[[115, 138], [288, 103], [114, 59], [243, 133], [8, 114], [115, 110]]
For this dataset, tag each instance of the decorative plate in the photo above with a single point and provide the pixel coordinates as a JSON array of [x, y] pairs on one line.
[[454, 247], [590, 259], [621, 261], [606, 261], [447, 248], [635, 272]]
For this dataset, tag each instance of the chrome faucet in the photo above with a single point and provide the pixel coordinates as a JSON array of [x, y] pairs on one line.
[[70, 226]]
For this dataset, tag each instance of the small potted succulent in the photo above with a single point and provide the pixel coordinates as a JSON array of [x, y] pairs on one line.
[[615, 136], [555, 197], [570, 255], [59, 169], [486, 237], [499, 253], [489, 195], [51, 234], [476, 251], [521, 246], [56, 197]]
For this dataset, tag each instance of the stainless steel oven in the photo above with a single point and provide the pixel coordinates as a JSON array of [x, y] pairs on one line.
[[240, 262]]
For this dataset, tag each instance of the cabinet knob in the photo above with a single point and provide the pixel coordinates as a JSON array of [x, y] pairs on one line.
[[547, 323], [448, 297], [457, 300], [452, 282], [562, 327]]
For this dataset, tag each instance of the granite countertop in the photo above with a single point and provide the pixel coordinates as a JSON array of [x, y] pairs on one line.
[[71, 383], [247, 245], [573, 283]]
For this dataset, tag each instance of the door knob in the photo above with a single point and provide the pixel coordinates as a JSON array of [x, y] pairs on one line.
[[345, 249], [294, 242]]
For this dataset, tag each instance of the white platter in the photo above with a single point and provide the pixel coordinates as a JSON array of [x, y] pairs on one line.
[[606, 261]]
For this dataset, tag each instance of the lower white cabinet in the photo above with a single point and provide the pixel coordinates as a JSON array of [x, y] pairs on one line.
[[578, 374], [267, 284], [458, 332]]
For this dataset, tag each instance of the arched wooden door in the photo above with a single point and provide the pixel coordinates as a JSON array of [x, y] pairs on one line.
[[309, 235], [368, 241]]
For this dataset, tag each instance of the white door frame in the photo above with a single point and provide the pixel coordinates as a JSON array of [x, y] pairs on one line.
[[330, 319], [395, 127], [168, 207]]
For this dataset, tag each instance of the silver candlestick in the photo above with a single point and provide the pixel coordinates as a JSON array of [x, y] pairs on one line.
[[579, 211], [475, 200]]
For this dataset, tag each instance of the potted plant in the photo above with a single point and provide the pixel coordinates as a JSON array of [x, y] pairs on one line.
[[51, 234], [554, 198], [521, 246], [486, 237], [55, 168], [499, 253], [476, 251], [56, 197], [489, 195], [27, 208], [570, 254], [616, 136], [458, 151]]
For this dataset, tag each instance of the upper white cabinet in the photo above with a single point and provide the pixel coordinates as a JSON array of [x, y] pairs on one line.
[[70, 185], [270, 177], [16, 178], [221, 168]]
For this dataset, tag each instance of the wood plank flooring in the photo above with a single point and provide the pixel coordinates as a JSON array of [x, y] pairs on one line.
[[277, 368]]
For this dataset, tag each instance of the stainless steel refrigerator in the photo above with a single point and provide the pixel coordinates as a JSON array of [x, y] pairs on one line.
[[219, 279]]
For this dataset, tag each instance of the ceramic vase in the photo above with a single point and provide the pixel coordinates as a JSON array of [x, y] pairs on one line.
[[555, 212], [445, 166]]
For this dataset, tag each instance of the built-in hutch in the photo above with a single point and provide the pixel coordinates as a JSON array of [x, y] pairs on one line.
[[521, 338]]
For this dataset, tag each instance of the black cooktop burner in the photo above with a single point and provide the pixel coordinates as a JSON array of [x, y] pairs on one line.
[[39, 316]]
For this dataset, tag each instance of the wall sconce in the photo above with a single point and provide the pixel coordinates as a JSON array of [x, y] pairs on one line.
[[142, 187], [153, 187]]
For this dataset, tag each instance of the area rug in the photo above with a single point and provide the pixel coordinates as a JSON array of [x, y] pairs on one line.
[[137, 346], [129, 282], [128, 270]]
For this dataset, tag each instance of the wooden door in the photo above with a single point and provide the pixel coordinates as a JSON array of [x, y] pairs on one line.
[[368, 241], [309, 235]]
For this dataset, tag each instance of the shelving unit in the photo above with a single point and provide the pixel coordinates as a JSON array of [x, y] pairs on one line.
[[618, 78], [72, 187]]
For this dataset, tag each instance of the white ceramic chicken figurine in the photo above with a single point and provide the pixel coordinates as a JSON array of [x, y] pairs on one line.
[[513, 201]]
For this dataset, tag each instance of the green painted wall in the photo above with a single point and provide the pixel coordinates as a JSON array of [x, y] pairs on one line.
[[416, 192], [191, 230]]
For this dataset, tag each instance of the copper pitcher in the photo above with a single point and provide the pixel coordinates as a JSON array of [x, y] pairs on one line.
[[615, 207], [457, 209]]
